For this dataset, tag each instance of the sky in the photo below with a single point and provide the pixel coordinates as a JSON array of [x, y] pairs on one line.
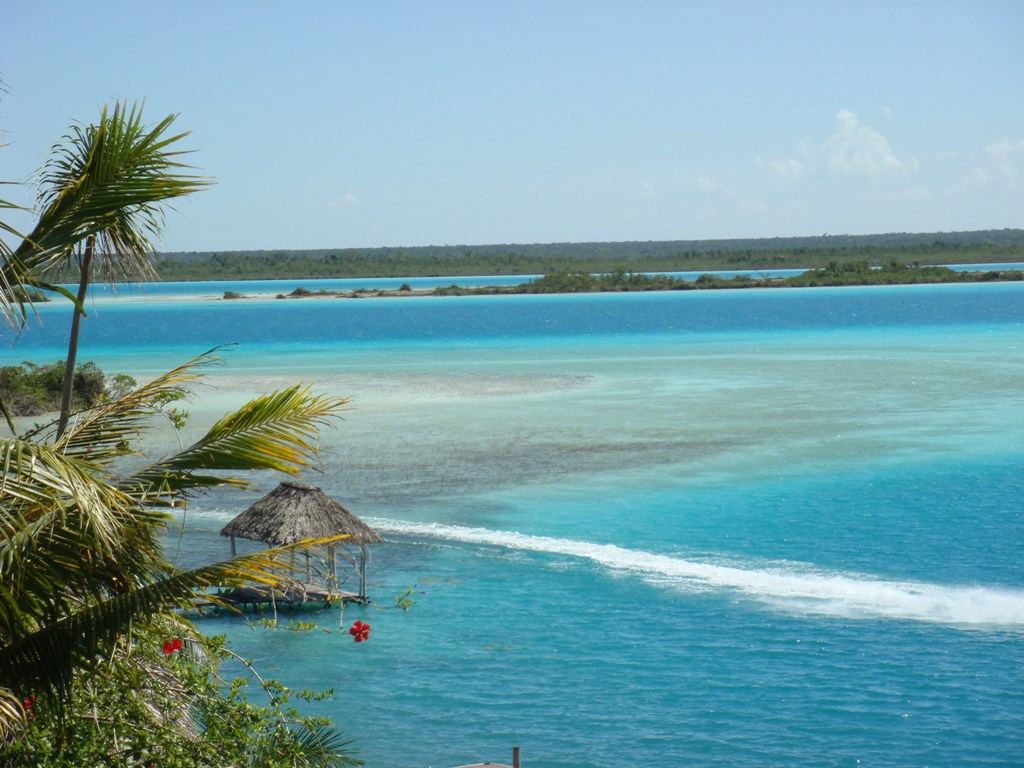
[[362, 124]]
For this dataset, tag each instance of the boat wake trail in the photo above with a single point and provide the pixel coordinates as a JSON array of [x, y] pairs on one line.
[[799, 589]]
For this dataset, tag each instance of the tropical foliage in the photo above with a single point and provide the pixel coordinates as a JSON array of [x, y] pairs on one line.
[[87, 599], [639, 256], [100, 194], [835, 274], [163, 707], [30, 389], [85, 592]]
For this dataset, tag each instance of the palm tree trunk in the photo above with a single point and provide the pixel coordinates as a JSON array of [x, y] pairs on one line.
[[76, 319]]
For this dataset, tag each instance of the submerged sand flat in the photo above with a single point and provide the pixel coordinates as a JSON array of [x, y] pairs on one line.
[[475, 420]]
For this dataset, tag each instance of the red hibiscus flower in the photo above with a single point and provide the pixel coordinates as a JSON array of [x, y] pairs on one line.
[[173, 645], [360, 631]]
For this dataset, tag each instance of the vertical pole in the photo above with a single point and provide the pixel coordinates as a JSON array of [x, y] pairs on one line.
[[333, 584], [515, 757], [233, 552], [362, 571]]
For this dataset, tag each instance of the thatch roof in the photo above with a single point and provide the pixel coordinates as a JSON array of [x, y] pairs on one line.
[[294, 511]]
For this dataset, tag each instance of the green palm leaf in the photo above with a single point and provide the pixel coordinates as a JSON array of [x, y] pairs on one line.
[[45, 660], [277, 431], [322, 747], [39, 478], [66, 536], [103, 433], [106, 181]]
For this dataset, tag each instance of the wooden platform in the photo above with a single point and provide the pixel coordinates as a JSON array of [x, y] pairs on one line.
[[297, 596], [516, 762]]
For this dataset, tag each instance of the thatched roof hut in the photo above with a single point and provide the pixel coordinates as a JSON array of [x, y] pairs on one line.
[[295, 511]]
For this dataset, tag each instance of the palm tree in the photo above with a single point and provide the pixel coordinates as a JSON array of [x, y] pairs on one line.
[[82, 571], [81, 564], [101, 199]]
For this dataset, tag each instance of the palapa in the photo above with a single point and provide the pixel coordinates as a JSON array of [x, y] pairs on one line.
[[295, 511]]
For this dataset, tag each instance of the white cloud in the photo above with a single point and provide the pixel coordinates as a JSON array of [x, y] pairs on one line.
[[912, 194], [858, 149], [649, 191], [1006, 157], [345, 201], [706, 183], [978, 177], [1007, 151], [787, 167], [1009, 155]]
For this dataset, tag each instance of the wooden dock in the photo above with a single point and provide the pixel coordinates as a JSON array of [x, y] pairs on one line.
[[304, 596], [516, 762]]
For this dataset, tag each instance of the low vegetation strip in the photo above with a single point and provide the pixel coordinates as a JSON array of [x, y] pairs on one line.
[[29, 389], [1000, 245], [857, 273]]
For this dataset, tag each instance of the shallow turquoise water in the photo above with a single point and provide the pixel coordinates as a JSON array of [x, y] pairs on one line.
[[717, 529]]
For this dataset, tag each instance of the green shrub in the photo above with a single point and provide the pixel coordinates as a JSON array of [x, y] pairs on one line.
[[29, 389]]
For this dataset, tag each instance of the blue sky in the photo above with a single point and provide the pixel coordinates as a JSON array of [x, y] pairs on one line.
[[338, 124]]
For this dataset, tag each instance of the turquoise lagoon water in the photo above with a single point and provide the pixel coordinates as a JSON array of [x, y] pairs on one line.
[[740, 528]]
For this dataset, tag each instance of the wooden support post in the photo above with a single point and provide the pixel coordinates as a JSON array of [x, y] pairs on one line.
[[332, 585], [362, 571], [515, 757]]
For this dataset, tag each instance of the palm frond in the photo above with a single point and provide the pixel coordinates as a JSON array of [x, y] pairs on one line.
[[321, 746], [103, 433], [12, 715], [6, 307], [38, 478], [45, 660], [107, 180], [278, 431], [66, 536]]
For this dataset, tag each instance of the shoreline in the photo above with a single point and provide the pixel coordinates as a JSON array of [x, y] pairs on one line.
[[834, 275]]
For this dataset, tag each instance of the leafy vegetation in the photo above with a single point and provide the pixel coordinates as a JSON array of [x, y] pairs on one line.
[[88, 602], [854, 273], [87, 594], [650, 256], [29, 389], [893, 273], [169, 705]]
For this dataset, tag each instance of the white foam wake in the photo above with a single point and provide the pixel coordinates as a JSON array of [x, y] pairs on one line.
[[793, 589]]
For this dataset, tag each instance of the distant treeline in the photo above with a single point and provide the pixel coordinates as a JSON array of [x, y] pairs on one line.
[[1000, 245], [834, 274]]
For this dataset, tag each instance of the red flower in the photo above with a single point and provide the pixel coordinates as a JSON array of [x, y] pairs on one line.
[[173, 645], [28, 707], [360, 631]]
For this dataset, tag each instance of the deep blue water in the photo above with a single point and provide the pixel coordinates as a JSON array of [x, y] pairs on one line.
[[735, 528]]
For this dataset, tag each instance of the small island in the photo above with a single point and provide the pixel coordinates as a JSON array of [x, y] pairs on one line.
[[832, 275]]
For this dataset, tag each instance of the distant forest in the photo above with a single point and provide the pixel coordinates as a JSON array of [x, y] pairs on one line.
[[996, 245]]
